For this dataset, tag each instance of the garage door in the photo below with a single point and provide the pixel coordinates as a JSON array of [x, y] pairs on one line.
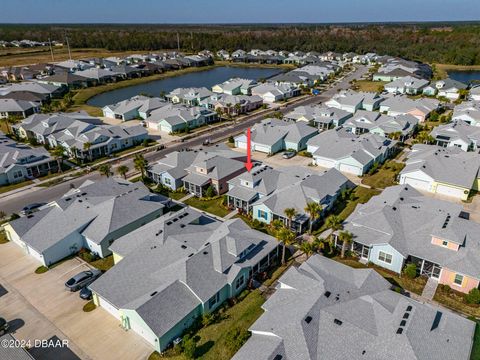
[[450, 191], [417, 184], [240, 144], [147, 335], [262, 148], [325, 163], [109, 307], [35, 254], [350, 169]]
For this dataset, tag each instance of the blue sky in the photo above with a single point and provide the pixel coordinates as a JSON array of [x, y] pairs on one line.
[[235, 11]]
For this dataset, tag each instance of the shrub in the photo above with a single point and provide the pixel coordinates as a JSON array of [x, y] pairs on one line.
[[473, 297], [210, 192], [189, 346], [89, 306], [410, 271], [235, 338], [41, 269], [231, 140], [208, 319], [14, 217], [146, 142]]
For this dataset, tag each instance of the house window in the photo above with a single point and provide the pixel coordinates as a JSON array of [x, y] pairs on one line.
[[445, 243], [17, 174], [262, 214], [239, 282], [384, 257], [213, 300], [458, 279], [167, 181]]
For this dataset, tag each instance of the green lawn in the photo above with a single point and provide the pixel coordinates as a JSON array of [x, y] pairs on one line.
[[369, 86], [476, 344], [103, 264], [386, 176], [213, 206], [6, 188], [176, 195]]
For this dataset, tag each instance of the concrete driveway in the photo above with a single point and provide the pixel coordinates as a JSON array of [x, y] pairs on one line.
[[473, 208], [38, 307]]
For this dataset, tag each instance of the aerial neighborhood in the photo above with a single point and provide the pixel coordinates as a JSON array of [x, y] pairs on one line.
[[239, 203]]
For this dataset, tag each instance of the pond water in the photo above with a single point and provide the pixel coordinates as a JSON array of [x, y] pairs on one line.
[[206, 78], [465, 76]]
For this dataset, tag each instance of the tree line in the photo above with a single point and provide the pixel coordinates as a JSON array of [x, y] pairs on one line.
[[452, 43]]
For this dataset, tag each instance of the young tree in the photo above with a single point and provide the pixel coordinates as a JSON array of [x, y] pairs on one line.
[[140, 164], [86, 147], [287, 237], [58, 153], [346, 237], [105, 170], [290, 213], [313, 210], [122, 170]]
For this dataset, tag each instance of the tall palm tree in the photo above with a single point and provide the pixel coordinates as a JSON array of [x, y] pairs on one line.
[[58, 152], [313, 210], [307, 248], [287, 237], [237, 108], [122, 170], [334, 223], [86, 147], [276, 225], [140, 164], [346, 237], [105, 170], [290, 214]]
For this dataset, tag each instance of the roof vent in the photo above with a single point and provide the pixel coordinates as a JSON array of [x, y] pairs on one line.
[[403, 322], [205, 252], [190, 255], [409, 308], [406, 315], [183, 246], [399, 330], [327, 294], [169, 223], [154, 293], [338, 322], [308, 319], [394, 208], [278, 357]]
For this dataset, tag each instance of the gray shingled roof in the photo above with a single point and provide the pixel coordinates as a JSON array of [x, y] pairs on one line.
[[13, 352]]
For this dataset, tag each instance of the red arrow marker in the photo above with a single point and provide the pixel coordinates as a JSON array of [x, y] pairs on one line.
[[249, 164]]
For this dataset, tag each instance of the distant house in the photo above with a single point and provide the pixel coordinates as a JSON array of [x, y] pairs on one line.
[[126, 72], [322, 189], [449, 88], [232, 104], [236, 86], [341, 310], [322, 117], [271, 93], [406, 85], [188, 96], [45, 91], [173, 118], [401, 226], [457, 134], [273, 135], [91, 216], [65, 79], [223, 54], [447, 171], [133, 108], [396, 68], [17, 108], [352, 101], [475, 93], [19, 162], [349, 153], [468, 112], [177, 268], [401, 105], [96, 76]]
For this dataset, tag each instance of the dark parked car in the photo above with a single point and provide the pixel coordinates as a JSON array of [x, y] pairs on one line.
[[31, 208], [3, 326], [288, 154], [82, 279], [86, 293]]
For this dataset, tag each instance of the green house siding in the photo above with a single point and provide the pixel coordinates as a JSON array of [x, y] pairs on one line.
[[236, 291], [132, 321], [179, 328]]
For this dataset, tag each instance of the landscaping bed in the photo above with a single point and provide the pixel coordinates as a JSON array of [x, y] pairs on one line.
[[385, 176], [455, 300], [213, 206], [3, 237]]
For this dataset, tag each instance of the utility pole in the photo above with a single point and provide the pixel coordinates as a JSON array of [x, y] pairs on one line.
[[68, 46], [51, 49]]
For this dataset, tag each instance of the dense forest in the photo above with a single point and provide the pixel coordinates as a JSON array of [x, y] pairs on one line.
[[453, 43]]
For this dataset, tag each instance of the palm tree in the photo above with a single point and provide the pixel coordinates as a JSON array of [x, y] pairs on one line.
[[58, 153], [346, 237], [287, 237], [395, 135], [313, 210], [140, 164], [237, 108], [334, 223], [290, 214], [105, 169], [276, 225], [122, 171], [86, 147], [307, 248]]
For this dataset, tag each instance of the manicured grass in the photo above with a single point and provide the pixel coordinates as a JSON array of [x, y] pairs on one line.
[[7, 188], [370, 86], [212, 339], [103, 264], [89, 306], [176, 195], [3, 237], [213, 206], [475, 355], [455, 300], [385, 176], [41, 269]]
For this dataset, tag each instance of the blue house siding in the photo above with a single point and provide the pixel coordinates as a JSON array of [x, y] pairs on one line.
[[262, 213], [397, 258]]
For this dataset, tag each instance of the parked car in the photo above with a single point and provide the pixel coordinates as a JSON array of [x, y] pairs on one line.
[[206, 142], [3, 326], [31, 208], [288, 154], [82, 279], [86, 293]]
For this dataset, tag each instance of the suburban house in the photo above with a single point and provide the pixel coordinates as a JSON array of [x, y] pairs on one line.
[[352, 101], [177, 268], [172, 118], [232, 104], [322, 117], [17, 108], [45, 91], [235, 86], [396, 68], [457, 134], [271, 93], [475, 93], [321, 188], [349, 153], [447, 88], [468, 112], [401, 105], [188, 96], [342, 311], [91, 216], [136, 107], [384, 125], [273, 135], [19, 162], [406, 85], [446, 171], [171, 170], [95, 76], [401, 226], [65, 79]]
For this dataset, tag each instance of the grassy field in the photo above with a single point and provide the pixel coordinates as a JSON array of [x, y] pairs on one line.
[[370, 86], [385, 176], [213, 206]]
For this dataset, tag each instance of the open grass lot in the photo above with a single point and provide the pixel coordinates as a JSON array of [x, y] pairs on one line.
[[455, 300], [213, 206], [385, 176], [369, 86]]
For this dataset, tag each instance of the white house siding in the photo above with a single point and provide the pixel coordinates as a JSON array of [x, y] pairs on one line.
[[108, 307], [451, 191], [459, 143], [351, 169], [63, 248], [324, 162], [418, 180], [261, 148], [136, 323]]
